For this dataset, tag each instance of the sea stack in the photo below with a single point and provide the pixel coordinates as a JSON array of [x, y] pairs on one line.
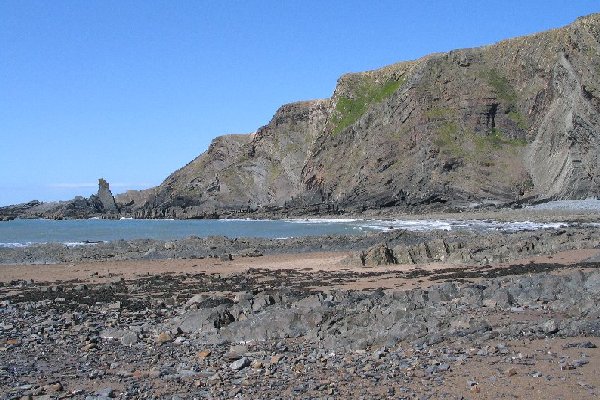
[[106, 197]]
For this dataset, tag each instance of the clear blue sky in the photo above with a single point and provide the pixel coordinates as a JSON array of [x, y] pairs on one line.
[[132, 90]]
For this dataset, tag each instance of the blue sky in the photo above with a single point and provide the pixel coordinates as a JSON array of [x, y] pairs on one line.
[[132, 90]]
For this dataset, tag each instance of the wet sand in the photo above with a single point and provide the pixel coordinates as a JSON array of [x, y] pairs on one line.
[[479, 366], [328, 270]]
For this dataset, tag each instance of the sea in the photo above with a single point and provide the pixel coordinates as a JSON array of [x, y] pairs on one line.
[[26, 232]]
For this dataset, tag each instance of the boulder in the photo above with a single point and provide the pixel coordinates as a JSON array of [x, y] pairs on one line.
[[378, 255]]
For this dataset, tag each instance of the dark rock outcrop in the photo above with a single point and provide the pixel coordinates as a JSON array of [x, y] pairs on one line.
[[472, 248], [378, 255], [362, 320], [101, 205], [11, 212], [105, 202]]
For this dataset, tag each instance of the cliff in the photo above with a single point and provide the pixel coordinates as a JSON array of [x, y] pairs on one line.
[[512, 122], [505, 124]]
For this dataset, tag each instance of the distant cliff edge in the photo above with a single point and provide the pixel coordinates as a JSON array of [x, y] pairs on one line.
[[101, 205]]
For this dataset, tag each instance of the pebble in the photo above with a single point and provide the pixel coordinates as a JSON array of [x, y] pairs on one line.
[[89, 346], [204, 354], [129, 339], [550, 327], [275, 359], [239, 364], [163, 338], [106, 392], [473, 386], [566, 367], [54, 387], [580, 363]]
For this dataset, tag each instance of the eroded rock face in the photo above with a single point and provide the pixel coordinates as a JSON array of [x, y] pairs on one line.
[[478, 249], [14, 211], [505, 123], [105, 197], [241, 173], [101, 204], [378, 255], [509, 123]]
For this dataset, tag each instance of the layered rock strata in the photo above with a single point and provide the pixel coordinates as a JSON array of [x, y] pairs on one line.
[[501, 125]]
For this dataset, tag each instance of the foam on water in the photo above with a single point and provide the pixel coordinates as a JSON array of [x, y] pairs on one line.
[[75, 244], [321, 220], [28, 244], [15, 245], [23, 233], [410, 225], [449, 225], [529, 226]]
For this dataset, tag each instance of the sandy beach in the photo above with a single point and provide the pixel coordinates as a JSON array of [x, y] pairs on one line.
[[108, 320], [318, 265]]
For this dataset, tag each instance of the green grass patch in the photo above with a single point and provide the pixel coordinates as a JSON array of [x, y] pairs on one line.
[[518, 119], [508, 95], [495, 140], [437, 113], [350, 109], [448, 141], [471, 147], [502, 87]]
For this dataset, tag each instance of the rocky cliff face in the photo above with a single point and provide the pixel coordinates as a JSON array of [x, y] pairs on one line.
[[510, 122], [241, 172], [104, 199], [507, 123]]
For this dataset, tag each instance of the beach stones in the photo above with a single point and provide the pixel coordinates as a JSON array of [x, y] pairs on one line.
[[240, 364], [292, 340], [163, 337]]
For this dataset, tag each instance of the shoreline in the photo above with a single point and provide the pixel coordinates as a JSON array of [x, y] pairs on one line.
[[339, 269], [572, 218], [575, 211], [400, 245]]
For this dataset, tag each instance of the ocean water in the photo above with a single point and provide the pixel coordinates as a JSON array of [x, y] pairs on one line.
[[19, 233]]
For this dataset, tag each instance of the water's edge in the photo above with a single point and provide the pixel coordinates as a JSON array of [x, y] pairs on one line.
[[27, 232]]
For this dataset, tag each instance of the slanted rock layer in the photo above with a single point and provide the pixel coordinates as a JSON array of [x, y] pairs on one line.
[[507, 123], [510, 123]]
